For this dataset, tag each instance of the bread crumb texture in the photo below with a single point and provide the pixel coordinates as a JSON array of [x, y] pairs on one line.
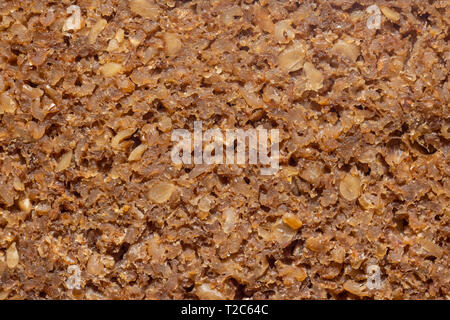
[[92, 207]]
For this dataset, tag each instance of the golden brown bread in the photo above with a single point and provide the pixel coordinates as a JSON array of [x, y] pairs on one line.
[[91, 205]]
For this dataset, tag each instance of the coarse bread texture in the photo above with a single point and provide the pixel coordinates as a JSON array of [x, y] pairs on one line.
[[92, 207]]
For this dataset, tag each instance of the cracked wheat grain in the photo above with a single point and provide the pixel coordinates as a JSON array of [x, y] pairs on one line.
[[91, 206]]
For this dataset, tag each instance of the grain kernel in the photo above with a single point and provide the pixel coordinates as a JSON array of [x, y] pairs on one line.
[[120, 136], [110, 69], [316, 244], [96, 29], [289, 273], [206, 292], [7, 104], [137, 153], [348, 50], [145, 8], [432, 248], [18, 185], [263, 19], [283, 31], [313, 76], [355, 288], [94, 265], [229, 217], [12, 256], [4, 294], [228, 15], [42, 208], [25, 205], [120, 35], [291, 59], [350, 187], [173, 43], [390, 14], [64, 162], [251, 98], [165, 124], [292, 221], [205, 204], [160, 192], [113, 45]]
